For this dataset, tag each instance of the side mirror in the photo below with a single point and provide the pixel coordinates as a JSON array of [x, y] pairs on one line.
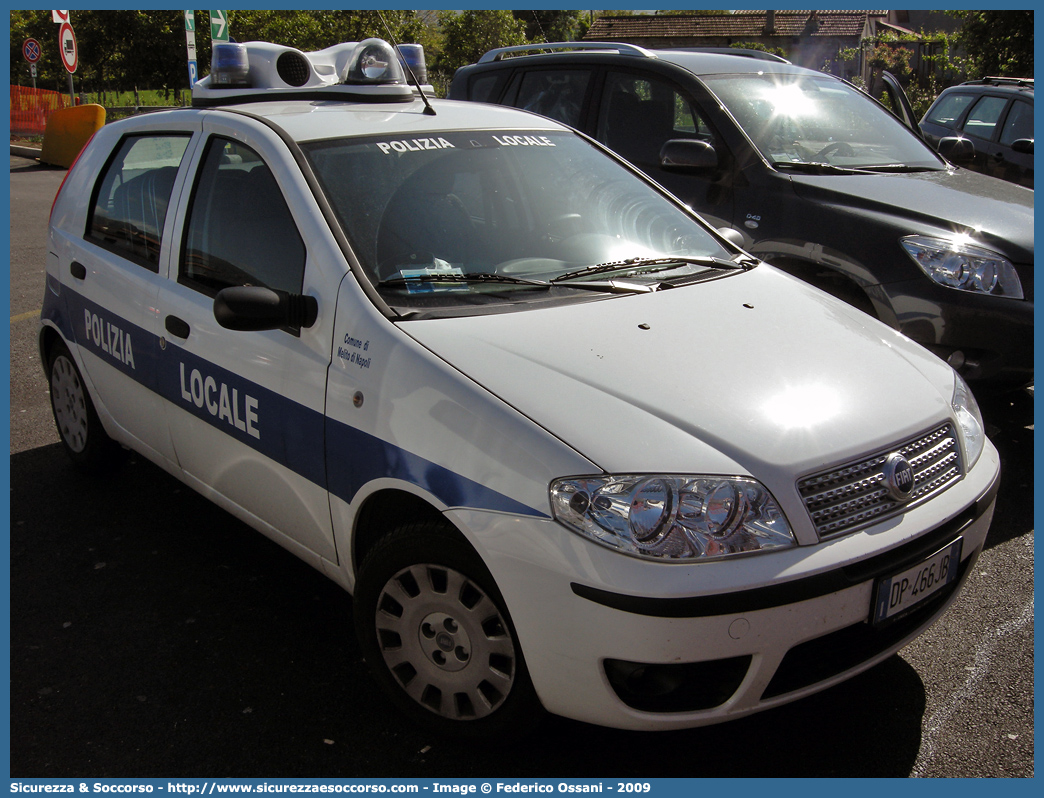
[[732, 236], [1024, 146], [688, 155], [956, 149], [252, 307]]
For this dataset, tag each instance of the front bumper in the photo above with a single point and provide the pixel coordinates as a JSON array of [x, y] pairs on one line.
[[602, 651]]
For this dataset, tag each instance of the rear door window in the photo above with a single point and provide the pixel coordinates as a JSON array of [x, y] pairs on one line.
[[130, 201], [983, 118]]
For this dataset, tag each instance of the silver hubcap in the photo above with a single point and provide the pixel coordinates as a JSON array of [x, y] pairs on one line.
[[70, 403], [445, 642]]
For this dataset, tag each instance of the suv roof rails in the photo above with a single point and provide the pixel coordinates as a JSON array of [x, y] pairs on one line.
[[1000, 81], [617, 47], [747, 53]]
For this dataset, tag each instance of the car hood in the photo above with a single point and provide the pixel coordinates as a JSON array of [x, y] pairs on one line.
[[753, 373], [995, 212]]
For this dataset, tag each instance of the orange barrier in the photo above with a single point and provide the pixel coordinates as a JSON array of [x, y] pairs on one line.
[[31, 107], [68, 129]]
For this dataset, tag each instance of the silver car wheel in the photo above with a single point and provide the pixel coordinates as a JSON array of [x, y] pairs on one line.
[[445, 642], [68, 398]]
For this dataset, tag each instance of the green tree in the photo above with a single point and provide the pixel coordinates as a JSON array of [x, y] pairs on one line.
[[997, 42], [467, 36], [316, 30], [35, 25], [554, 26], [894, 52], [116, 50]]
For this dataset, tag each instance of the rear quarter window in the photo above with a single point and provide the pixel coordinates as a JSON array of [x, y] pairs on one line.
[[558, 94], [1018, 124], [486, 88]]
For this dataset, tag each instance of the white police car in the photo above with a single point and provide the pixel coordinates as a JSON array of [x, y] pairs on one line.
[[566, 446]]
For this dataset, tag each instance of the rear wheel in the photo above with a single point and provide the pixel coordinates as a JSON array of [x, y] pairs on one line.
[[79, 427], [436, 633]]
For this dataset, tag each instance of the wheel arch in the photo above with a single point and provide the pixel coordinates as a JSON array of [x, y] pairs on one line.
[[48, 338], [388, 508], [849, 282]]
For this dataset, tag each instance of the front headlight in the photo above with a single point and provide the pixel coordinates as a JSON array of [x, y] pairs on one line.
[[672, 517], [973, 433], [964, 266]]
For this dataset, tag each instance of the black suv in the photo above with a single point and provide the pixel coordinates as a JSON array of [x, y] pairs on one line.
[[996, 116], [814, 175]]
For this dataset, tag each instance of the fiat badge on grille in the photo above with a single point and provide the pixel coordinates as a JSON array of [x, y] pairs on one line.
[[899, 477]]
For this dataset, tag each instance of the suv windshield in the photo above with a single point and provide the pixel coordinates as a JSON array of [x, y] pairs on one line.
[[799, 119], [480, 217]]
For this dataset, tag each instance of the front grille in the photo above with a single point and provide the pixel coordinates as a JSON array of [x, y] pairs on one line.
[[854, 495]]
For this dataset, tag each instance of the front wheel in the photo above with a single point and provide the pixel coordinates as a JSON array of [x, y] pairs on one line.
[[81, 431], [435, 631]]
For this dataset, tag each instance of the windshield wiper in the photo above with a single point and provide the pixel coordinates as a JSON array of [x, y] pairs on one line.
[[605, 286], [899, 167], [650, 265], [816, 168], [453, 277]]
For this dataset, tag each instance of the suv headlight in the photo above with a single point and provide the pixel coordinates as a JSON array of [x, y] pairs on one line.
[[973, 433], [964, 266], [672, 517]]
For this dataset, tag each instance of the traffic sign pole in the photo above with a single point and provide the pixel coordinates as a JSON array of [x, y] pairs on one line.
[[69, 54], [190, 44], [32, 51]]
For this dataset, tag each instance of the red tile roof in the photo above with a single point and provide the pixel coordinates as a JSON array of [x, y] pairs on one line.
[[741, 24]]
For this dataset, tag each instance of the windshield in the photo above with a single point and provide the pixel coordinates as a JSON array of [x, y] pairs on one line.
[[802, 119], [480, 217]]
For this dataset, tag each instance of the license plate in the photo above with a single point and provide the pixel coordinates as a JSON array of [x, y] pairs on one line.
[[898, 593]]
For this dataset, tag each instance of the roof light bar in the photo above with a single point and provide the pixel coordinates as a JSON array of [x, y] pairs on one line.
[[369, 70]]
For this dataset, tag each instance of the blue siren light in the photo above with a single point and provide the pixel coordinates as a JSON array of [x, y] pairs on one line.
[[412, 55], [229, 65]]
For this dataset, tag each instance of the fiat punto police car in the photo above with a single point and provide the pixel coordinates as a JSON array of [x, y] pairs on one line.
[[568, 448]]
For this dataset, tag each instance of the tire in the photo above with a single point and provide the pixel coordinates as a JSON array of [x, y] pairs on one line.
[[81, 431], [436, 634]]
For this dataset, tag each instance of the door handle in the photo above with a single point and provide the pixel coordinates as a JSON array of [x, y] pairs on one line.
[[177, 327], [78, 270]]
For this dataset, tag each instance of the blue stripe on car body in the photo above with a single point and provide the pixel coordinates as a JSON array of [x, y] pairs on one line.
[[329, 453]]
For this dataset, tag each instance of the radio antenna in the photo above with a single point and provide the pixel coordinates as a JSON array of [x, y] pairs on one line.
[[427, 105]]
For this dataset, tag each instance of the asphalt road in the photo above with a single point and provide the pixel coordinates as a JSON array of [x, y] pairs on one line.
[[153, 635]]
